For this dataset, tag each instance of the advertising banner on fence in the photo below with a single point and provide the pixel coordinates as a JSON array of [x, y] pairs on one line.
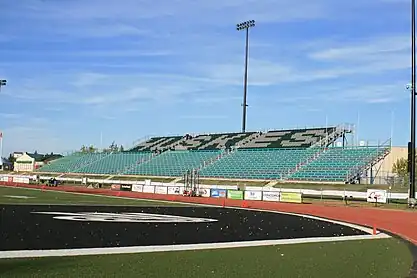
[[253, 195], [21, 180], [204, 192], [218, 193], [148, 189], [291, 197], [271, 196], [375, 195], [115, 187], [126, 187], [235, 194], [161, 190], [175, 190], [137, 188]]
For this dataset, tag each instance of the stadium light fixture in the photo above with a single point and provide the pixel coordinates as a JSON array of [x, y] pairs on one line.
[[245, 26], [3, 82], [412, 87]]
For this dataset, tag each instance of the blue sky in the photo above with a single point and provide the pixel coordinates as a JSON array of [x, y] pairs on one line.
[[134, 68]]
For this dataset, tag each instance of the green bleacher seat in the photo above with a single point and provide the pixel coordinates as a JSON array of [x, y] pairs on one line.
[[115, 163], [71, 163], [173, 163], [336, 164], [259, 163]]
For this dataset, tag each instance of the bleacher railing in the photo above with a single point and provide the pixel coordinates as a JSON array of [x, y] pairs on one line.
[[382, 150]]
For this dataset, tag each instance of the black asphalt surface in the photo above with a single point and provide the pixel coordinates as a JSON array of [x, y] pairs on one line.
[[21, 229]]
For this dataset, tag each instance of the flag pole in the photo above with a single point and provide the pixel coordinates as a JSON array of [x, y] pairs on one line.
[[1, 146]]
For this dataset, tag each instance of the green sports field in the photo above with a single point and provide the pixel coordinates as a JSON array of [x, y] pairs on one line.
[[13, 195], [366, 258]]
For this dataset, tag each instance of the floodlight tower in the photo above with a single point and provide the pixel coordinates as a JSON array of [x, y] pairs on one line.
[[245, 26], [412, 87], [3, 82]]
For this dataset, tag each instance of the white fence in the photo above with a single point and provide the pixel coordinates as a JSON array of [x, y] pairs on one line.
[[169, 188], [305, 192]]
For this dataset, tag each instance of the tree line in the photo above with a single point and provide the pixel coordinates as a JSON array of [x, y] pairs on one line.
[[92, 149], [400, 167]]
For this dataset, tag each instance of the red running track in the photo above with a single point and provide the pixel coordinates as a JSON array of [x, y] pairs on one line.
[[402, 223]]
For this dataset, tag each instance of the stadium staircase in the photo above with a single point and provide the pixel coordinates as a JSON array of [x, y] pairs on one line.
[[136, 143], [87, 163], [174, 163], [380, 154], [320, 146], [70, 163], [127, 168], [301, 164], [337, 132], [160, 144], [206, 163], [249, 139], [256, 163], [339, 164]]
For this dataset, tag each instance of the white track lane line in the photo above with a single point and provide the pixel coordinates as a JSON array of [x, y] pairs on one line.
[[169, 248]]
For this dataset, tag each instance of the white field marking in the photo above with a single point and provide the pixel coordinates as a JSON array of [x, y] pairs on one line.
[[169, 248], [127, 217], [17, 197], [359, 227]]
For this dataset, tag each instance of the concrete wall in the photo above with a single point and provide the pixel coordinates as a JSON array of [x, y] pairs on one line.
[[384, 167]]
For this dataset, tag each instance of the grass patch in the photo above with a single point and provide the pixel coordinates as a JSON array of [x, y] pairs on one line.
[[381, 258], [142, 178], [348, 187], [318, 186], [80, 176], [103, 177], [232, 182], [56, 197]]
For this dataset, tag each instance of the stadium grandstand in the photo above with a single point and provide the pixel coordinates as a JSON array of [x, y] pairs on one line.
[[308, 154]]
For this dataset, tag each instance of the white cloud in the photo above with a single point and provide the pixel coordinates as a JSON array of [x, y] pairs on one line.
[[10, 116], [377, 93], [122, 53], [98, 54], [29, 138], [366, 50], [203, 117], [98, 89], [88, 78], [98, 30], [186, 9], [110, 18]]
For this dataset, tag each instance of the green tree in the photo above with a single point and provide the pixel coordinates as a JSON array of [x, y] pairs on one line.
[[92, 149], [83, 149], [113, 147], [89, 149], [400, 167], [121, 149], [11, 158]]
